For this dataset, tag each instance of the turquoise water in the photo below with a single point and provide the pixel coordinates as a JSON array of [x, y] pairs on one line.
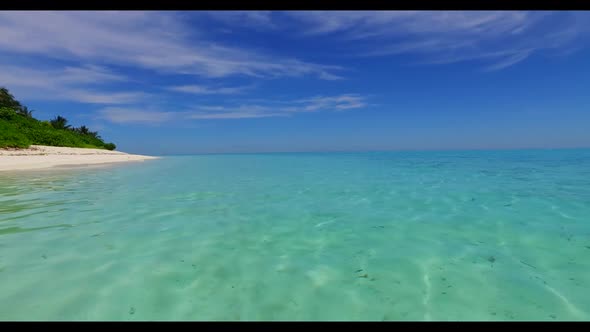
[[473, 235]]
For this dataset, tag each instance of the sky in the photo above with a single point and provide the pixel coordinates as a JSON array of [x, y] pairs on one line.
[[255, 81]]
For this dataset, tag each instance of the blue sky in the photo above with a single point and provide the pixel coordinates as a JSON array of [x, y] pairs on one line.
[[202, 82]]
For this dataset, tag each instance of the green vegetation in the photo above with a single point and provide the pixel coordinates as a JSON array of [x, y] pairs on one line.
[[18, 129]]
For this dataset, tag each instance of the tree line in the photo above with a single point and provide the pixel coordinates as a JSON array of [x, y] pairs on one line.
[[25, 128]]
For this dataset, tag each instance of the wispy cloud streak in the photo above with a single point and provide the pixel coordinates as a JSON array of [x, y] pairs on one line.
[[79, 84], [158, 41], [503, 38], [207, 90], [270, 108]]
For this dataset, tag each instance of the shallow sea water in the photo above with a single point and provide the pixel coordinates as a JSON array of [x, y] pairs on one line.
[[456, 235]]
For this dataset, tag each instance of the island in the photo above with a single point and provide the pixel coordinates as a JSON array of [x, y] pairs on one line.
[[27, 143]]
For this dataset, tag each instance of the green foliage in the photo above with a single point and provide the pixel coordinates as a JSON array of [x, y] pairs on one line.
[[8, 100], [24, 111], [7, 113], [59, 123], [9, 137], [82, 130], [18, 129]]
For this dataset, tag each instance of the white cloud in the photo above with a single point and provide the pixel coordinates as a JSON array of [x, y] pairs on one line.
[[89, 74], [237, 113], [507, 62], [39, 77], [342, 102], [368, 24], [505, 37], [253, 19], [160, 41], [330, 77], [102, 97], [132, 115], [364, 24], [79, 84], [266, 109], [270, 108], [205, 90]]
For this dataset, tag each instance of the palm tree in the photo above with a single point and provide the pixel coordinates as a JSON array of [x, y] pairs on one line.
[[59, 123], [83, 130], [94, 134], [24, 111], [7, 99]]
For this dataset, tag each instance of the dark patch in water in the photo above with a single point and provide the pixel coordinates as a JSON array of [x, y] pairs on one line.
[[444, 293], [525, 263], [364, 276], [541, 280], [44, 257], [359, 270], [491, 259], [182, 260], [131, 310], [472, 199], [507, 204], [194, 266], [553, 316], [587, 247]]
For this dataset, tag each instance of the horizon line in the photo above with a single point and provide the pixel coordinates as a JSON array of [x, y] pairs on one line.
[[378, 150]]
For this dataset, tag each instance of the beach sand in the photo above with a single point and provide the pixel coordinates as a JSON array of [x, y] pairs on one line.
[[41, 157]]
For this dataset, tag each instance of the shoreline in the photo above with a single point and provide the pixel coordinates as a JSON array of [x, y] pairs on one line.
[[47, 157]]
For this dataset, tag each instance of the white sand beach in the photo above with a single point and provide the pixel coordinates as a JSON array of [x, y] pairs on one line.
[[40, 157]]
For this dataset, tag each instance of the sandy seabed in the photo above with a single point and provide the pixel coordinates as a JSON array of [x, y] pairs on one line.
[[40, 157]]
